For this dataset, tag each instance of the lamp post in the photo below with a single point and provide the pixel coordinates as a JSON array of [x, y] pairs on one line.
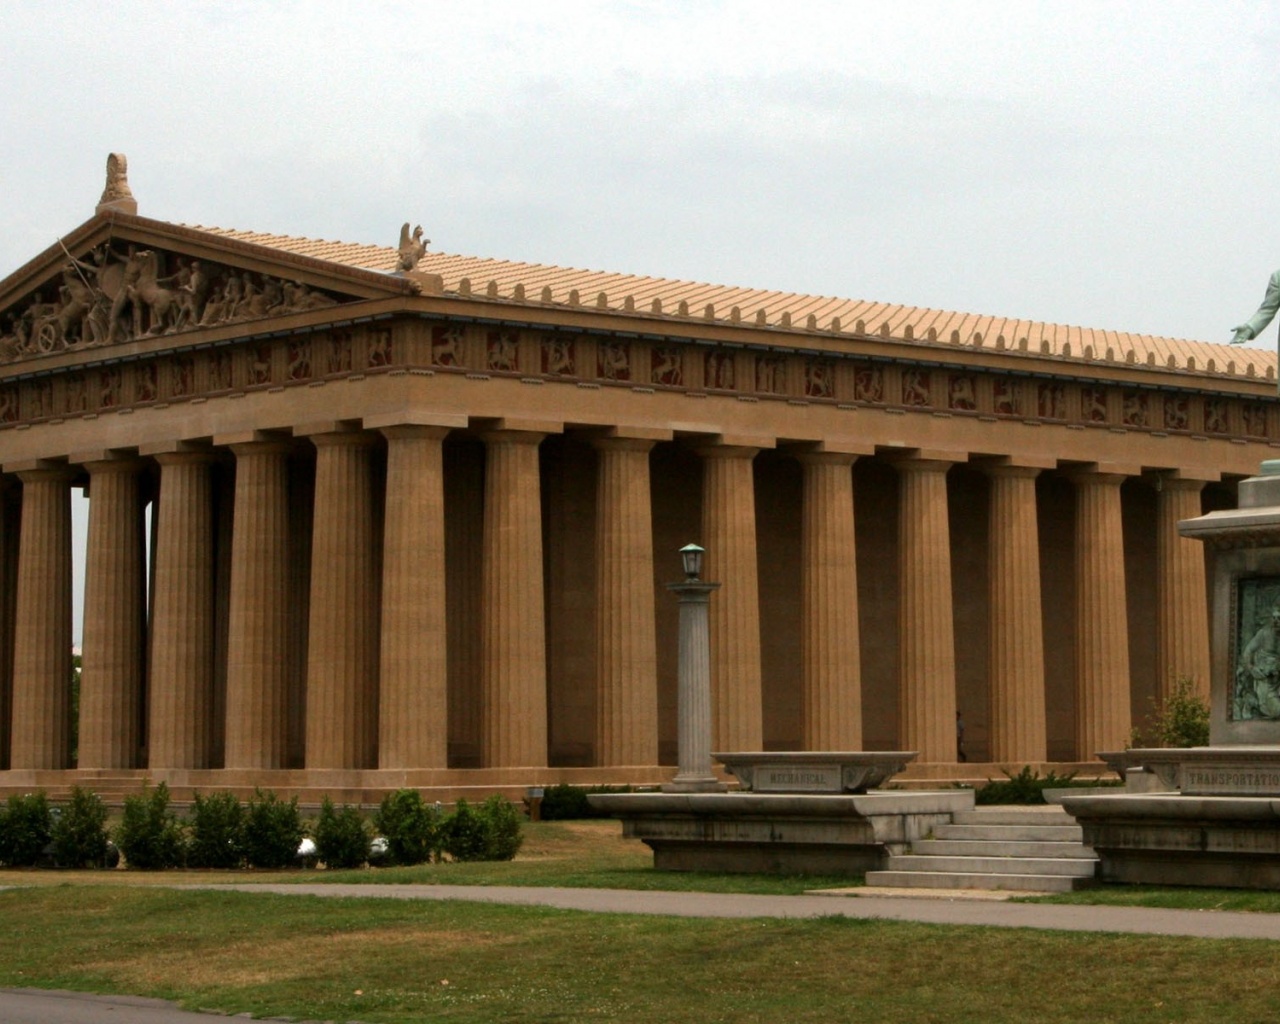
[[694, 678]]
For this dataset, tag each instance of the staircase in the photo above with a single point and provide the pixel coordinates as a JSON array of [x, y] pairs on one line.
[[1030, 849]]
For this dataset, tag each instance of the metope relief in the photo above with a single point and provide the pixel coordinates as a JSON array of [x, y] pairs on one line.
[[146, 383], [770, 372], [557, 356], [1005, 398], [299, 356], [1215, 416], [666, 366], [1093, 402], [1051, 402], [121, 293], [1177, 412], [446, 345], [819, 379], [1136, 409], [613, 360], [340, 352], [502, 351], [961, 393], [719, 370], [915, 387], [1255, 419], [868, 384], [380, 353]]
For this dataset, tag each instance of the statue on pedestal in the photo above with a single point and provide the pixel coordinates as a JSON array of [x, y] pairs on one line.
[[1257, 323]]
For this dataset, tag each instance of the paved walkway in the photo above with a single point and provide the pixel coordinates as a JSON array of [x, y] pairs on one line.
[[943, 910]]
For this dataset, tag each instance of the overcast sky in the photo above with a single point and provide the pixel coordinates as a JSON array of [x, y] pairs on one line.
[[1110, 165]]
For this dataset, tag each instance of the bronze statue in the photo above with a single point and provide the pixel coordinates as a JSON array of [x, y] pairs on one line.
[[1257, 323]]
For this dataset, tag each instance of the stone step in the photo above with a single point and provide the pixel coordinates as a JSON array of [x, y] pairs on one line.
[[963, 880], [1075, 866], [1012, 833], [1042, 814], [947, 847]]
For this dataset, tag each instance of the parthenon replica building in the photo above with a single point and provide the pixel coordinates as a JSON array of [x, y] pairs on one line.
[[411, 514]]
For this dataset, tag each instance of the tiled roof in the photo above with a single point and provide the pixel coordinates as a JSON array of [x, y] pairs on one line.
[[541, 283]]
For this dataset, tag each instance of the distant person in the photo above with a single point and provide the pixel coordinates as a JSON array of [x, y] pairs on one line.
[[961, 756]]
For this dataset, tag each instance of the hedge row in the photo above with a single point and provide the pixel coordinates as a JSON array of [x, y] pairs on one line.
[[267, 832]]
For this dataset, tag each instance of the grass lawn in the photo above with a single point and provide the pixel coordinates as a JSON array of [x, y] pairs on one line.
[[386, 961], [1168, 896]]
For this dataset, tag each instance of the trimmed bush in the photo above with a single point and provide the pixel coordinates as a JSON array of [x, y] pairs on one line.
[[1183, 718], [26, 827], [410, 827], [1027, 787], [342, 838], [149, 835], [217, 832], [489, 832], [502, 828], [272, 831], [79, 832]]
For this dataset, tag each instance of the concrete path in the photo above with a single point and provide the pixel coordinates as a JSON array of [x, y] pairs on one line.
[[999, 914], [37, 1006]]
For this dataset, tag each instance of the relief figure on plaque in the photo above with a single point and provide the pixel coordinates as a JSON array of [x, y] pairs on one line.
[[1257, 662]]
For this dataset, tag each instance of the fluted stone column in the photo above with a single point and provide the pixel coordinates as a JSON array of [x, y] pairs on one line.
[[114, 600], [514, 669], [1182, 629], [829, 655], [1102, 625], [42, 632], [413, 714], [729, 535], [926, 633], [342, 655], [258, 630], [1016, 628], [626, 655], [181, 726]]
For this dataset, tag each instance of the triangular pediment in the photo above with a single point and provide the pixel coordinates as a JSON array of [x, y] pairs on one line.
[[119, 279]]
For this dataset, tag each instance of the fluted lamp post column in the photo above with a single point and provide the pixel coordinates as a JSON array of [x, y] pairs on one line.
[[693, 712]]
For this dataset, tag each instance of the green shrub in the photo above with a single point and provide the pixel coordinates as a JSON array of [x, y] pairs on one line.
[[272, 831], [1027, 787], [1183, 719], [149, 835], [79, 832], [410, 827], [502, 828], [342, 838], [217, 832], [565, 802], [489, 832], [26, 827]]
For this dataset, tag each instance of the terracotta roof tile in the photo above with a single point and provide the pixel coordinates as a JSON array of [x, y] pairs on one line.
[[902, 320]]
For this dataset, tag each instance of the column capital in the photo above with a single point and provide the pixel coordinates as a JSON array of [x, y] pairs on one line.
[[622, 444], [1005, 470], [916, 464], [122, 464], [38, 470], [414, 431], [726, 451], [529, 437], [186, 457], [815, 458], [1172, 480], [343, 439], [1083, 475], [279, 447]]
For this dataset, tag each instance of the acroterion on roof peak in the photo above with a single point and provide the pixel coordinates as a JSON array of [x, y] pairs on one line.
[[536, 283]]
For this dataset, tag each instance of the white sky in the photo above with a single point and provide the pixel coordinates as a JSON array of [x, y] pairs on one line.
[[1109, 164]]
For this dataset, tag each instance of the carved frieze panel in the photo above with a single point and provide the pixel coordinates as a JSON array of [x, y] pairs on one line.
[[1093, 404], [1006, 398], [915, 387], [1255, 419], [1177, 412], [109, 381], [446, 345], [613, 360], [1215, 416], [77, 394], [502, 351], [719, 370], [146, 385], [182, 376], [119, 293], [1051, 402], [9, 412], [380, 351], [299, 358], [819, 379], [770, 374], [340, 352], [961, 392], [221, 370], [557, 355], [260, 368], [667, 366], [1136, 411], [868, 384]]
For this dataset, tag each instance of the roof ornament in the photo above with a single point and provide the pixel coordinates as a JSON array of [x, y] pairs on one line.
[[117, 195], [412, 248]]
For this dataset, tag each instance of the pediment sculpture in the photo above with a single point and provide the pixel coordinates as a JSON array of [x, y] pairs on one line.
[[120, 293]]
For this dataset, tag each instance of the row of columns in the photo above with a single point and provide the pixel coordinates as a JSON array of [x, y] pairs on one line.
[[377, 608]]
